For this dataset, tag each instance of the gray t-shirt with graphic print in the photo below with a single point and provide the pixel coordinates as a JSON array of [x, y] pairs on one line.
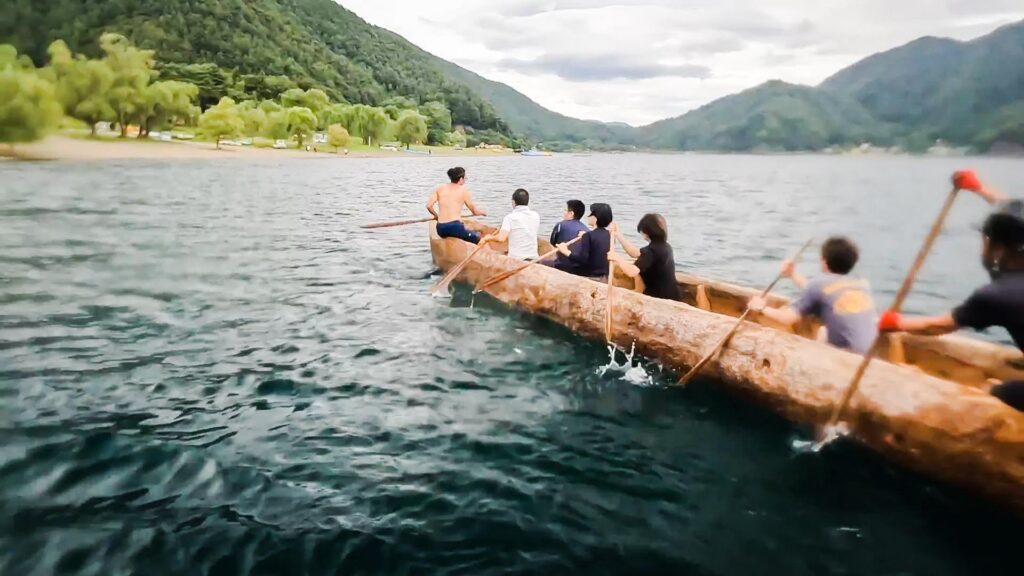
[[845, 307]]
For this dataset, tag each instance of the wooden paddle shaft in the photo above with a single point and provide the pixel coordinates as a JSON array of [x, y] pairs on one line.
[[404, 222], [608, 309], [901, 296], [739, 322], [398, 223], [510, 273], [442, 284]]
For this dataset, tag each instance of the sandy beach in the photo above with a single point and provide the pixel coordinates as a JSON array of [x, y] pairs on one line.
[[67, 148]]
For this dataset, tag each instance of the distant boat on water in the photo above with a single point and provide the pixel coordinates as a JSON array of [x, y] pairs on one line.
[[535, 152]]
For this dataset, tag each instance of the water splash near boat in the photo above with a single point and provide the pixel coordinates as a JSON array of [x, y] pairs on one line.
[[829, 434], [635, 375]]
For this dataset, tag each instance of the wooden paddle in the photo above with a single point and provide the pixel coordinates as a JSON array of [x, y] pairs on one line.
[[608, 309], [739, 322], [501, 277], [908, 282], [403, 222], [442, 284]]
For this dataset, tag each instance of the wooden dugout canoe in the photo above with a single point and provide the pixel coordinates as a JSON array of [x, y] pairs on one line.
[[927, 410]]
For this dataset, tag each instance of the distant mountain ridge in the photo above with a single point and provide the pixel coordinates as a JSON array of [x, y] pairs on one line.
[[968, 93], [964, 92], [773, 116]]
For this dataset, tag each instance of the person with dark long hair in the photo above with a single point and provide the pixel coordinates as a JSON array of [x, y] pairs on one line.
[[654, 263]]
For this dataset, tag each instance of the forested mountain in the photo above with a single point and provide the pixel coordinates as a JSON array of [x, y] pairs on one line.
[[313, 43], [774, 116], [527, 117], [964, 92], [969, 93]]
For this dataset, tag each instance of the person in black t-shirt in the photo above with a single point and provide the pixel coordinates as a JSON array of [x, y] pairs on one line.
[[590, 258], [653, 263], [1000, 303]]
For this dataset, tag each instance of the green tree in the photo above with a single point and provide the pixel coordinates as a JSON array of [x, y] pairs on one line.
[[342, 114], [9, 57], [337, 136], [263, 87], [83, 85], [400, 102], [314, 99], [29, 108], [165, 102], [370, 123], [269, 106], [301, 123], [411, 128], [456, 138], [276, 126], [395, 105], [439, 122], [253, 116], [213, 81], [133, 69], [221, 121]]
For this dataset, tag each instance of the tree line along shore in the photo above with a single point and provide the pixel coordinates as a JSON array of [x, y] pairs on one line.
[[124, 91]]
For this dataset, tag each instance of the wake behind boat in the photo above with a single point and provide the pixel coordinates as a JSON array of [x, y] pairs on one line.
[[925, 407]]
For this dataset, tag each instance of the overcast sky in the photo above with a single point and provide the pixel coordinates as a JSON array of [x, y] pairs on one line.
[[637, 61]]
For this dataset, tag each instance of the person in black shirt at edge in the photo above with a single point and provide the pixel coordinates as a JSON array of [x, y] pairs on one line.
[[591, 258], [653, 263], [1000, 303]]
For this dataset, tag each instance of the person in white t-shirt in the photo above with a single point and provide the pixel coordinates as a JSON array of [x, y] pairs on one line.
[[520, 228]]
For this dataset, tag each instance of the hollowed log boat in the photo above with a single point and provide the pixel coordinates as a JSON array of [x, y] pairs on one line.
[[922, 404]]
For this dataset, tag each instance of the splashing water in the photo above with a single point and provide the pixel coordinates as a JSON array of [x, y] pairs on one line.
[[829, 435], [633, 374]]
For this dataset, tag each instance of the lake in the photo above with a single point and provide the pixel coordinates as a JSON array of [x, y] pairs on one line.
[[207, 367]]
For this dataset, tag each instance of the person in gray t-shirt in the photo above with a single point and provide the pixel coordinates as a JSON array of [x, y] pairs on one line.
[[843, 304]]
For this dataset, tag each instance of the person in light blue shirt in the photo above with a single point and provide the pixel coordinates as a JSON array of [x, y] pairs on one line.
[[566, 231]]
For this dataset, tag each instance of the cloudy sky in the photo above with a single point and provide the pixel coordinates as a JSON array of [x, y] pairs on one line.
[[637, 61]]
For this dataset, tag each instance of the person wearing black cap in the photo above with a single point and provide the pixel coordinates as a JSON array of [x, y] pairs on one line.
[[999, 303], [591, 258]]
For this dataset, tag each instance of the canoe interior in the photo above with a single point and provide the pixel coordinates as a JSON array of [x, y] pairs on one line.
[[961, 359]]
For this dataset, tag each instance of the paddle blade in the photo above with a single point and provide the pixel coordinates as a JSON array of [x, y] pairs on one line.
[[441, 288], [442, 285]]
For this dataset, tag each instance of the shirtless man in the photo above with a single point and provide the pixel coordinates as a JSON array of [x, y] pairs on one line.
[[450, 199]]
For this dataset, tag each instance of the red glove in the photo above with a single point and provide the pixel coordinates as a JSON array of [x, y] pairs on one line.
[[889, 321], [967, 180]]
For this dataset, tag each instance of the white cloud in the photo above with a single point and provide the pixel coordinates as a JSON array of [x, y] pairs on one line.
[[638, 61]]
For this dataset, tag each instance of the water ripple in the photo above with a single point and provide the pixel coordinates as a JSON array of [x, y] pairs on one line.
[[221, 373]]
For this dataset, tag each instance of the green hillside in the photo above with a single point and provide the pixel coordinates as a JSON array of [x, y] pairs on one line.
[[963, 92], [772, 116], [525, 116], [315, 43], [968, 93]]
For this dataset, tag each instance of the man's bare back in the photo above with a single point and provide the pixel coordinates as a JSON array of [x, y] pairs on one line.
[[450, 198]]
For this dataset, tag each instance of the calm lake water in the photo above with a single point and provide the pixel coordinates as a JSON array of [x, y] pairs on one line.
[[208, 368]]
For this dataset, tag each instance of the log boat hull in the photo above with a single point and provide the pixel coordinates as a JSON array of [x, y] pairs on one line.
[[950, 430]]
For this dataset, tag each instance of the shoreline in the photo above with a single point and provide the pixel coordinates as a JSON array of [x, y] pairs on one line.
[[68, 148], [61, 147]]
